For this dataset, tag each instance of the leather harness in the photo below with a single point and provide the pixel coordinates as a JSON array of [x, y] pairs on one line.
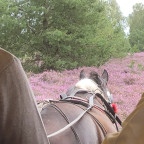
[[107, 109], [77, 100]]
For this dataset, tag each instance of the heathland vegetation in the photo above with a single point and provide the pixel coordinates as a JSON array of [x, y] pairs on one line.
[[60, 37], [125, 83]]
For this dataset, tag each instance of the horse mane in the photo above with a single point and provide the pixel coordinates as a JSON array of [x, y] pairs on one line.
[[88, 85]]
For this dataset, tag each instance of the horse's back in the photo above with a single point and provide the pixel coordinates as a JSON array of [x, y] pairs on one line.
[[85, 131], [104, 120]]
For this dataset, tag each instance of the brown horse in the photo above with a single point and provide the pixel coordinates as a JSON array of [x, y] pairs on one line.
[[81, 101]]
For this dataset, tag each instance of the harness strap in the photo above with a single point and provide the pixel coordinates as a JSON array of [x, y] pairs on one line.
[[70, 124], [66, 118], [75, 98], [76, 102], [110, 109], [73, 93], [111, 117], [97, 122]]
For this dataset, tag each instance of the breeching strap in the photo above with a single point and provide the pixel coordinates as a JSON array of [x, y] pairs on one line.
[[70, 124]]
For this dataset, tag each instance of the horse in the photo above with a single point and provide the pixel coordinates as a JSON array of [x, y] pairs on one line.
[[87, 102]]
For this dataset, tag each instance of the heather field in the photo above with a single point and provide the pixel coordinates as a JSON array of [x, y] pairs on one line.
[[126, 81]]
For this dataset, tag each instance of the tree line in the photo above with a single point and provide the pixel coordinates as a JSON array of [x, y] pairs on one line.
[[67, 34], [136, 24]]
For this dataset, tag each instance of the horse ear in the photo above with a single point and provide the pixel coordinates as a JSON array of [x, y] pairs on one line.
[[82, 74], [105, 75]]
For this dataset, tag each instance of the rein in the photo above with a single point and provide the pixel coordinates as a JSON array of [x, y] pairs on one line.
[[89, 107], [70, 124], [89, 104], [110, 109], [77, 100]]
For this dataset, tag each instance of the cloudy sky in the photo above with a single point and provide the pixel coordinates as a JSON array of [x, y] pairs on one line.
[[126, 5]]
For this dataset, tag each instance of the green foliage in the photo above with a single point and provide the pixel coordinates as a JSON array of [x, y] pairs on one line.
[[65, 33], [136, 22], [140, 67], [132, 64]]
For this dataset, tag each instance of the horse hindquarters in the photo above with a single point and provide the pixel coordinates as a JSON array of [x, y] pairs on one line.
[[54, 121], [58, 115]]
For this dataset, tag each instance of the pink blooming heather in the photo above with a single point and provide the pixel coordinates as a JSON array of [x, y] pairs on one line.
[[126, 82]]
